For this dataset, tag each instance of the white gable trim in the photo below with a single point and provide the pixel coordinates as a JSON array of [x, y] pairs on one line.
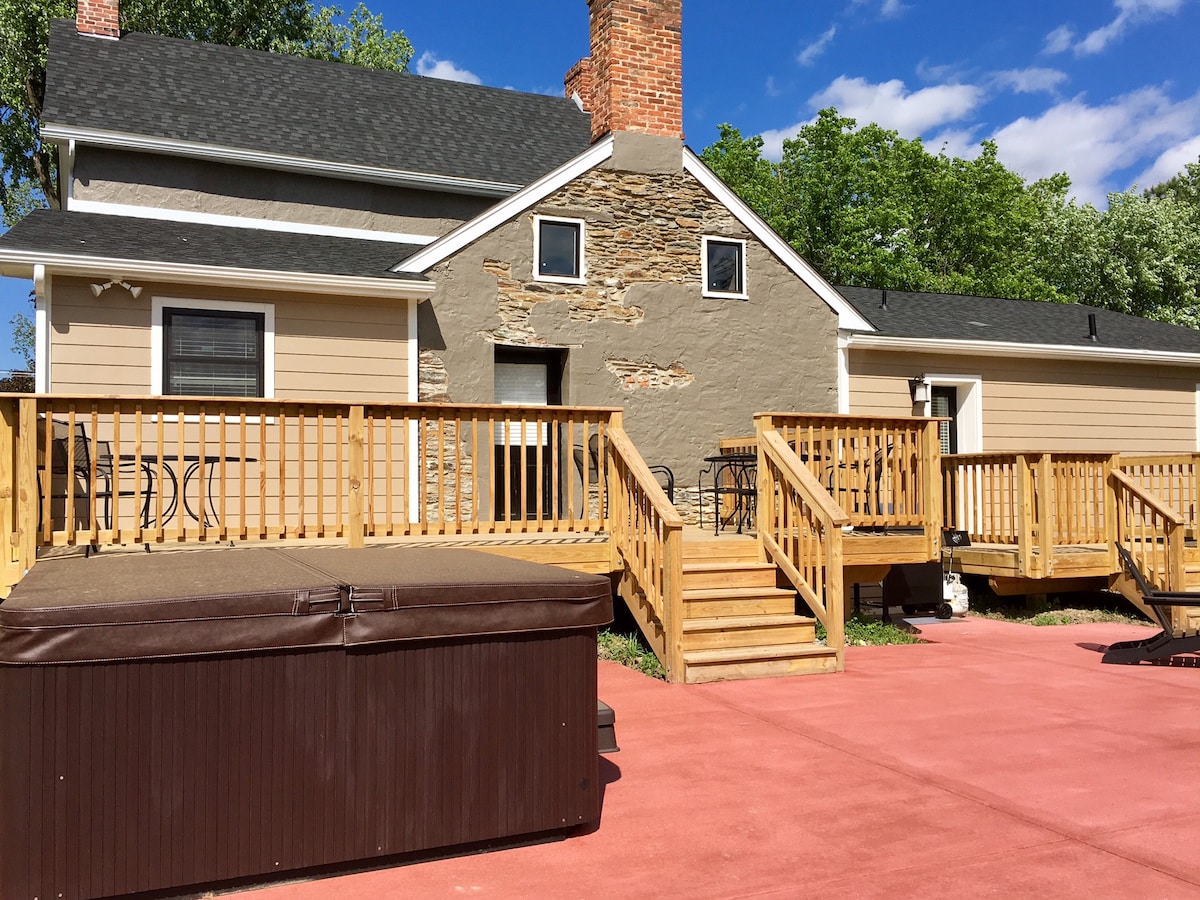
[[471, 231], [848, 317]]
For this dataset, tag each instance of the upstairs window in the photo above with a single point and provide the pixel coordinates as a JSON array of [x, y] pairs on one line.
[[724, 267], [213, 353], [558, 250]]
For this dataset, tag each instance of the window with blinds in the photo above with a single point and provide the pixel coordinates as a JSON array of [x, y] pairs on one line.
[[213, 353]]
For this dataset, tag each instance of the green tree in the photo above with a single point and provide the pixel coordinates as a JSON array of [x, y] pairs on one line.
[[867, 207], [289, 26]]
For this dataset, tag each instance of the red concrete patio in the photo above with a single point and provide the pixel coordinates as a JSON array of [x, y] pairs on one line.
[[1001, 760]]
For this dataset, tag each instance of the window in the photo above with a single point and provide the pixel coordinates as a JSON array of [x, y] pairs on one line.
[[212, 354], [558, 250], [212, 348], [724, 268]]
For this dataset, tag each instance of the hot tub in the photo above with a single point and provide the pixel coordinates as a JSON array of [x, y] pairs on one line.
[[178, 719]]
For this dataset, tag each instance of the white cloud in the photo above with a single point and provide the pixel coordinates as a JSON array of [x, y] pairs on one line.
[[892, 105], [961, 142], [432, 67], [889, 104], [1030, 81], [1129, 14], [892, 8], [1059, 40], [1170, 162], [772, 88], [1094, 143], [810, 53]]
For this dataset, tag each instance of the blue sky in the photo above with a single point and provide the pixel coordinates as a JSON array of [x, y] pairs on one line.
[[1106, 90]]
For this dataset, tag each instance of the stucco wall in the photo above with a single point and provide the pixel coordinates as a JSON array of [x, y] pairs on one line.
[[326, 347], [687, 369], [1036, 404], [141, 179]]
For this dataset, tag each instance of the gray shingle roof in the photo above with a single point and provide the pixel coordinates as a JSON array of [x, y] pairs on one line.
[[250, 100], [957, 317], [186, 243]]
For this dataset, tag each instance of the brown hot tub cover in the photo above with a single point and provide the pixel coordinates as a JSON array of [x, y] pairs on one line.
[[176, 719]]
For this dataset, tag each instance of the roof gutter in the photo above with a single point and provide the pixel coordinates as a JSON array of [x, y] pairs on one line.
[[257, 159], [861, 341], [22, 264]]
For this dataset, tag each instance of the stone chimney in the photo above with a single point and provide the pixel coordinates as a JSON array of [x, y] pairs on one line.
[[98, 17], [633, 81]]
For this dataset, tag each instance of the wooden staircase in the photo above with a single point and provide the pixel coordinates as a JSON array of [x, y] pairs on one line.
[[1187, 618], [737, 622]]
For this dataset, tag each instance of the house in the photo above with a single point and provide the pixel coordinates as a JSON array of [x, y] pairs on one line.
[[450, 242], [1015, 375], [311, 251]]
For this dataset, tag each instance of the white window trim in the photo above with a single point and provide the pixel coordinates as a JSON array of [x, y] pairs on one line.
[[970, 408], [722, 295], [537, 250], [158, 304]]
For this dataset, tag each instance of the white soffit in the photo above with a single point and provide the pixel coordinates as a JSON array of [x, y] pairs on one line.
[[1028, 351], [476, 228], [21, 264], [849, 318]]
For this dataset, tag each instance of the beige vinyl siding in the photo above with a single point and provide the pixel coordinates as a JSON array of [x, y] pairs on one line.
[[326, 347], [1037, 404]]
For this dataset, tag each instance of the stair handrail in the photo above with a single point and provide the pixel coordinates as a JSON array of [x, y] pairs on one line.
[[800, 531], [1151, 529], [647, 538]]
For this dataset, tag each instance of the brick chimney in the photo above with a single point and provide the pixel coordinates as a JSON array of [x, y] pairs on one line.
[[98, 17], [633, 80]]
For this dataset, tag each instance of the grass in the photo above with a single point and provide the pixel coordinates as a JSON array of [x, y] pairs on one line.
[[863, 632], [1065, 609], [631, 651]]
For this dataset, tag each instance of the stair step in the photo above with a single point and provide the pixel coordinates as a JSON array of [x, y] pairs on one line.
[[725, 548], [724, 632], [758, 662], [728, 574], [701, 603]]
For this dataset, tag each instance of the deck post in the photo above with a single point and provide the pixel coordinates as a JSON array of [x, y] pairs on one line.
[[763, 502], [1112, 464], [1025, 504], [1046, 519], [931, 479], [354, 524], [672, 598], [835, 595], [616, 422], [10, 572], [28, 495]]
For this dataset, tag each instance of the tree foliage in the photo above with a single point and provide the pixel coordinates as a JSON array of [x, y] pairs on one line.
[[867, 207], [286, 26]]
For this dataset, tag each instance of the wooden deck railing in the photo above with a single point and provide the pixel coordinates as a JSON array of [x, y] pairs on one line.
[[1034, 501], [1173, 478], [800, 528], [647, 532], [1152, 530], [99, 470], [884, 472]]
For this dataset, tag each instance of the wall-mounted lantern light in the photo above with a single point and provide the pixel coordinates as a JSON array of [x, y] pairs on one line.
[[919, 389]]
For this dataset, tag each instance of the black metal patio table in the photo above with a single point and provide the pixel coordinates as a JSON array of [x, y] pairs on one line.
[[733, 475]]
